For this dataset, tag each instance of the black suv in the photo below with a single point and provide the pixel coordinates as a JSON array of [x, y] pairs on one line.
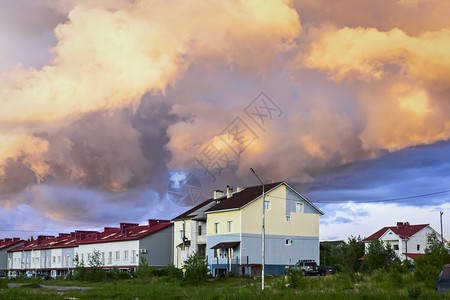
[[308, 267], [325, 270]]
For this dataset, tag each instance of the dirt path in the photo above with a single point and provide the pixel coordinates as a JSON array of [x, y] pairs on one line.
[[52, 287]]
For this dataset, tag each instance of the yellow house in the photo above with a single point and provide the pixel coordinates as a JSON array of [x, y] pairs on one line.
[[234, 227]]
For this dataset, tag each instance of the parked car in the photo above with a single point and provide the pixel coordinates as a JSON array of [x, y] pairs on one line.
[[44, 276], [2, 276], [443, 280], [326, 270], [308, 267]]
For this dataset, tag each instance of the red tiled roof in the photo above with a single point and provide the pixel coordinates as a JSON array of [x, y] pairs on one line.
[[8, 242], [124, 234], [127, 231], [64, 241], [402, 231], [414, 255], [242, 198]]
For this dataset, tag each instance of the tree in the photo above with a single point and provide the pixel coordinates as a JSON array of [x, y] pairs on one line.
[[144, 271], [379, 256], [80, 271], [95, 271], [196, 268], [346, 256], [430, 265]]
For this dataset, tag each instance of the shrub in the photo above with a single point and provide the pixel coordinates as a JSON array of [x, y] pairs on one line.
[[296, 278], [3, 284], [196, 268], [173, 272], [396, 279], [144, 271], [414, 292]]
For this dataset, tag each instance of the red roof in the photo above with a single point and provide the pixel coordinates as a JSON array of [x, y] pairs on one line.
[[403, 230], [8, 242], [48, 242], [415, 255], [125, 233]]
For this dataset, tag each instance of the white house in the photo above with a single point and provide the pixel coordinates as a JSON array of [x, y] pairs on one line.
[[45, 255], [190, 232], [123, 247], [408, 241], [5, 245]]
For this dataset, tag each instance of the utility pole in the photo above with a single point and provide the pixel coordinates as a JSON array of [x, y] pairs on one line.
[[442, 232], [263, 233]]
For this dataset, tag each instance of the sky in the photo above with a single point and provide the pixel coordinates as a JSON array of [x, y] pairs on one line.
[[119, 110]]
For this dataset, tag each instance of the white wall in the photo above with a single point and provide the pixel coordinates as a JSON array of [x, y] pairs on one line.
[[131, 247]]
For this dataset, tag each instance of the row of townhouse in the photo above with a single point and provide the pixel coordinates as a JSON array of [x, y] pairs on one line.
[[121, 247], [225, 229]]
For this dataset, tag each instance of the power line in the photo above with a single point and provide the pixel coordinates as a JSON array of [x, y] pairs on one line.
[[369, 201]]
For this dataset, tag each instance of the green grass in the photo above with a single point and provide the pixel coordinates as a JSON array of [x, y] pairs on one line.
[[329, 287]]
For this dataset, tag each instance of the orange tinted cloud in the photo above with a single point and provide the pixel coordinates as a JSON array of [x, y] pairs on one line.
[[400, 77]]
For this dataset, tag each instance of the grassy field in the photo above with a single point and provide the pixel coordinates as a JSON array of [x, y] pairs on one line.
[[330, 287]]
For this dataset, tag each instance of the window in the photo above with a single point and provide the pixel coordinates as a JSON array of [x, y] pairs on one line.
[[216, 228], [230, 226], [88, 256], [133, 256], [288, 219], [418, 247], [109, 257], [266, 205], [59, 259], [181, 234], [199, 229], [125, 254], [395, 247], [54, 259], [68, 260], [117, 255], [299, 207], [288, 242], [103, 257], [82, 257]]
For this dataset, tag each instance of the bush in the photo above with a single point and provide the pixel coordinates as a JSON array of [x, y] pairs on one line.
[[396, 279], [196, 268], [3, 283], [173, 272], [414, 292], [144, 271], [296, 278]]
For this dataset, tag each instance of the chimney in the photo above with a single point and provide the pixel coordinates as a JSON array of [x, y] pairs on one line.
[[8, 240], [406, 224], [399, 225], [97, 235], [229, 191], [127, 231], [218, 194], [239, 189]]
